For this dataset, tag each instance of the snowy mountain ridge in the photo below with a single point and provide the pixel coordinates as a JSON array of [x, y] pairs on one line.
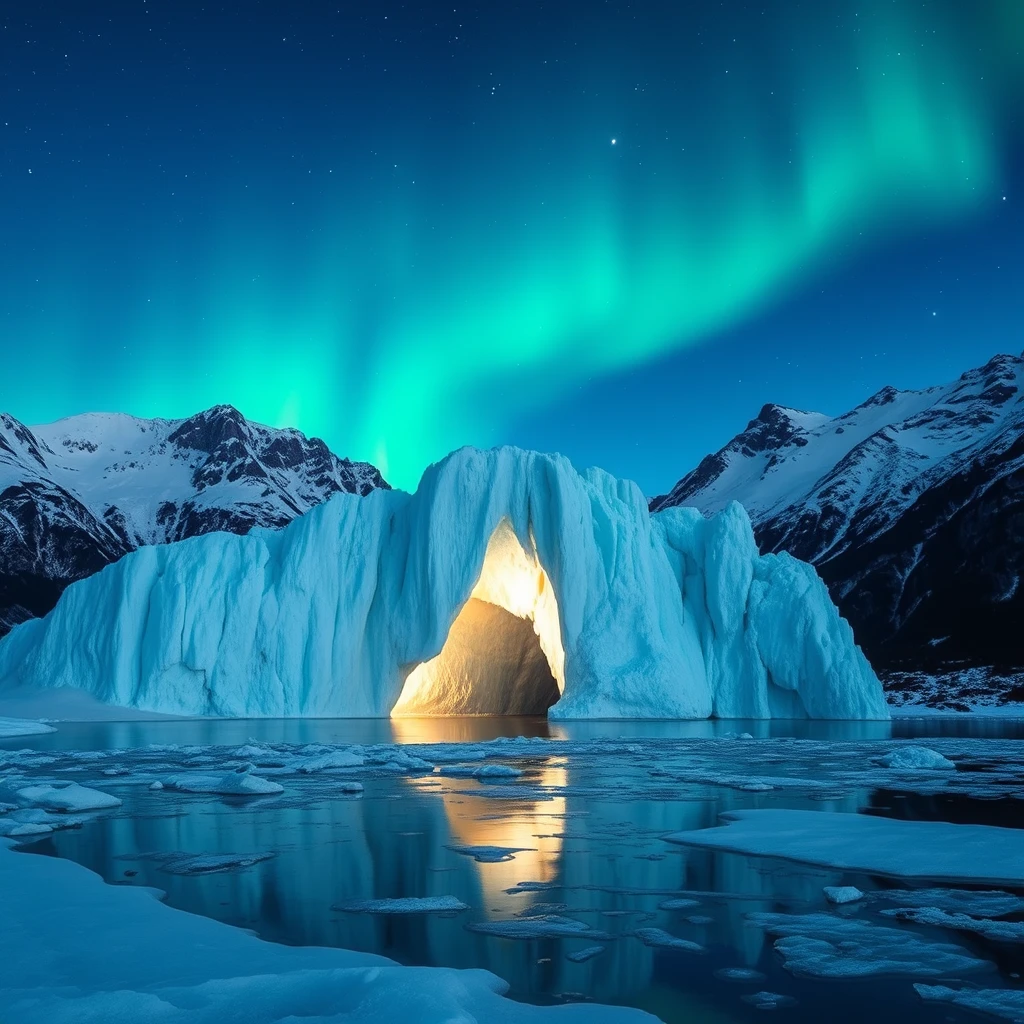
[[79, 493], [910, 506]]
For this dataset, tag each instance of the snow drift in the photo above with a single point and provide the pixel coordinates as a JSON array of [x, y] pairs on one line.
[[347, 611]]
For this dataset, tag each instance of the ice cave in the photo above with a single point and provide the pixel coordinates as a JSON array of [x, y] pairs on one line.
[[503, 654], [508, 583]]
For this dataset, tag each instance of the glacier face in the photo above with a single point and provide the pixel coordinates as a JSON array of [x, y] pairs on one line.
[[664, 616]]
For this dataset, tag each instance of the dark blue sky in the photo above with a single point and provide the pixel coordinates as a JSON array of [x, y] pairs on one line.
[[610, 229]]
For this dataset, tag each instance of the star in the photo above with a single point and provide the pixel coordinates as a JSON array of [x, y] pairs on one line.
[[614, 141]]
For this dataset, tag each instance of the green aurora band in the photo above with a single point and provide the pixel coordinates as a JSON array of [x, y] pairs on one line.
[[503, 262]]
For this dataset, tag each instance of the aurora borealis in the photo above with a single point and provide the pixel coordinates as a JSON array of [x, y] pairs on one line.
[[406, 228]]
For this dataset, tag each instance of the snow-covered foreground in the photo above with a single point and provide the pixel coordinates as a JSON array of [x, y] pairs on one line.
[[76, 950], [500, 559], [531, 858]]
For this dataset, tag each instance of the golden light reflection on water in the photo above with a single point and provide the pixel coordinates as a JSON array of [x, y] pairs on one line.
[[534, 827]]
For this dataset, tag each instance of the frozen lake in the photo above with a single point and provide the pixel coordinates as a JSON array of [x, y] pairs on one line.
[[580, 813]]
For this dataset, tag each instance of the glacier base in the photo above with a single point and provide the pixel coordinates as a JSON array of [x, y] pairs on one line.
[[349, 611]]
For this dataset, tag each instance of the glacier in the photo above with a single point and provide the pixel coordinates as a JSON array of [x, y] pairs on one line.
[[507, 583]]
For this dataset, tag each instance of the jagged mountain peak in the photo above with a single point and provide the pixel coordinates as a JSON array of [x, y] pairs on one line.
[[909, 504], [79, 493]]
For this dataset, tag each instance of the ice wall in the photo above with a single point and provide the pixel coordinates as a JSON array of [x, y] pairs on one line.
[[668, 616]]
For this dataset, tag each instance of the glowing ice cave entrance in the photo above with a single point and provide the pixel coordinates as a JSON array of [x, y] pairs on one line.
[[503, 654]]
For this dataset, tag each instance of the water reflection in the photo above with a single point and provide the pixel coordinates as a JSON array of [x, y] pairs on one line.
[[210, 731], [592, 846]]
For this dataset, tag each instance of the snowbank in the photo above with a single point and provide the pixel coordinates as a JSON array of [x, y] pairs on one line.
[[75, 949], [634, 615]]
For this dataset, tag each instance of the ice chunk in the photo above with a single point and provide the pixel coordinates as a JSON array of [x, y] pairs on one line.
[[917, 758], [989, 903], [490, 854], [543, 927], [1007, 1003], [16, 830], [11, 728], [67, 797], [742, 974], [481, 771], [583, 955], [1000, 931], [842, 893], [238, 783], [209, 863], [351, 788], [658, 937], [332, 759], [861, 842], [333, 614], [678, 904], [768, 1000], [829, 946], [404, 905]]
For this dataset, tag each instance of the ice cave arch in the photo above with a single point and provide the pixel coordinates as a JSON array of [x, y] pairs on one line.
[[503, 654]]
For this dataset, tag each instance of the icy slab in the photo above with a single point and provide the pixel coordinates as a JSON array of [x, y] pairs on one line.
[[739, 974], [768, 1000], [917, 759], [1007, 1003], [404, 905], [665, 940], [840, 894], [581, 956], [11, 728], [678, 904], [490, 854], [639, 616], [331, 760], [999, 931], [207, 863], [130, 958], [239, 783], [548, 926], [67, 798], [863, 843], [480, 771], [990, 903], [829, 946]]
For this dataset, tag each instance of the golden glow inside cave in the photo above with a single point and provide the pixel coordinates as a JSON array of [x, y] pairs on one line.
[[503, 654]]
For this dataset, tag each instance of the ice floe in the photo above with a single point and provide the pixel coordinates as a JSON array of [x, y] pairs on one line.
[[545, 926], [917, 758], [1007, 1003], [404, 905], [66, 797], [12, 728], [581, 956], [840, 894], [829, 946], [999, 931], [237, 783], [663, 939], [860, 842]]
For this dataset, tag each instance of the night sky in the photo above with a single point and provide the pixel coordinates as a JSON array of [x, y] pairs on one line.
[[609, 229]]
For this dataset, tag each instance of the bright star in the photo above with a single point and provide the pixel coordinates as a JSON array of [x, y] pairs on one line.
[[614, 141]]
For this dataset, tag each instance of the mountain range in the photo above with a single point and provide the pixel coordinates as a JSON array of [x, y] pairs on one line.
[[911, 506], [78, 494]]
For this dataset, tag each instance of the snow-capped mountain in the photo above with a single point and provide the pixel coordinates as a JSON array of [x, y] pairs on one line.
[[78, 494], [911, 506]]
